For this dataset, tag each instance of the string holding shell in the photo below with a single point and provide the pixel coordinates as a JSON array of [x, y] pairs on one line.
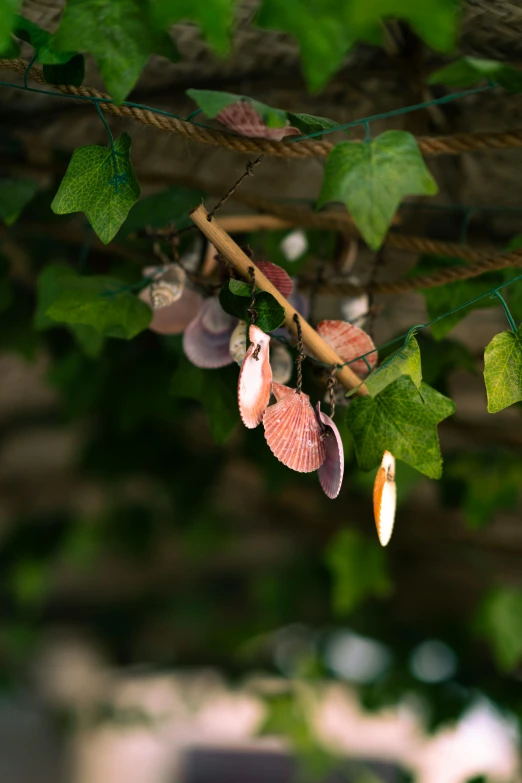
[[293, 432], [242, 118], [206, 340], [385, 498], [331, 471], [255, 379], [168, 286], [238, 342], [348, 342], [281, 362]]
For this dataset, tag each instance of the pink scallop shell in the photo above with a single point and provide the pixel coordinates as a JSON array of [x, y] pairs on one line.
[[255, 379], [279, 390], [242, 118], [174, 318], [331, 471], [349, 341], [293, 432], [277, 276]]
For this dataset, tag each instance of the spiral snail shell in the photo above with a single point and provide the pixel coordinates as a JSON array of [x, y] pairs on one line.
[[168, 286]]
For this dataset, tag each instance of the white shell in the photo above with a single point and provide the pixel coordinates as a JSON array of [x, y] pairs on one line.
[[385, 498], [168, 285], [281, 362], [255, 379], [238, 342]]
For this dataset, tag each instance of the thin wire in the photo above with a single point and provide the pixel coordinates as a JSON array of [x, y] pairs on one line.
[[362, 121], [507, 311]]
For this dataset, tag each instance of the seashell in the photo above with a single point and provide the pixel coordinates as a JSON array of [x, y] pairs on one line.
[[331, 471], [277, 276], [255, 379], [349, 341], [279, 390], [242, 118], [385, 498], [281, 362], [206, 348], [214, 318], [238, 342], [174, 318], [293, 432], [168, 286]]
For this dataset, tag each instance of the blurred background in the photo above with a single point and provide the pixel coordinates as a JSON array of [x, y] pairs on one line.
[[176, 605]]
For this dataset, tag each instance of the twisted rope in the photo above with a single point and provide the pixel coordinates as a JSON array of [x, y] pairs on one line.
[[443, 145]]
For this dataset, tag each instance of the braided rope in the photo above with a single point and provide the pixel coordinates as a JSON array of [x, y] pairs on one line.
[[452, 145]]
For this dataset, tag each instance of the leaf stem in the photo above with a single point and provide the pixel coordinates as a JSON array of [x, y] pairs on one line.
[[504, 304]]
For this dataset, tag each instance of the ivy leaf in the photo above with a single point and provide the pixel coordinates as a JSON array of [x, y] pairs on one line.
[[101, 184], [215, 17], [499, 620], [215, 389], [372, 179], [401, 419], [14, 195], [212, 102], [358, 569], [58, 67], [470, 70], [8, 9], [235, 298], [120, 35], [405, 361], [309, 123], [10, 50], [102, 302], [318, 26], [158, 210], [443, 298], [503, 370], [49, 287]]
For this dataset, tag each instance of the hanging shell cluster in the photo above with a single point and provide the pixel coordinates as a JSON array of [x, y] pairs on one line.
[[174, 304], [168, 286], [242, 118]]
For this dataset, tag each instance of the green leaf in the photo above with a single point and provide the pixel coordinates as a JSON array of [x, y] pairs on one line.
[[213, 101], [41, 41], [470, 70], [443, 298], [100, 184], [215, 389], [235, 298], [102, 302], [10, 50], [358, 569], [14, 195], [499, 620], [8, 9], [215, 17], [160, 209], [403, 420], [49, 286], [503, 370], [120, 35], [405, 361], [372, 179], [309, 123], [323, 38]]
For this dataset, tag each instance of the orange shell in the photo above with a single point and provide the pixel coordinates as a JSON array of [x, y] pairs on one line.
[[293, 431], [349, 341], [255, 379], [277, 276], [385, 498]]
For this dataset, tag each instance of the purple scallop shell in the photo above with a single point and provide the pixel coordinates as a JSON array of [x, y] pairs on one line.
[[206, 347], [331, 471]]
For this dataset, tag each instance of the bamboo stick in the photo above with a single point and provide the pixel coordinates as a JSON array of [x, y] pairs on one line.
[[242, 263]]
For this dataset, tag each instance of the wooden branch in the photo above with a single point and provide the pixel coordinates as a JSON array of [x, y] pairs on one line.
[[218, 237]]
